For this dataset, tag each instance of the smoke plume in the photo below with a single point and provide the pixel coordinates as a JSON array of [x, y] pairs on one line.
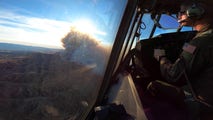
[[86, 50]]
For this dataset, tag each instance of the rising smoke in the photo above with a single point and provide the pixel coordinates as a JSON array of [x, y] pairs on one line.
[[85, 50]]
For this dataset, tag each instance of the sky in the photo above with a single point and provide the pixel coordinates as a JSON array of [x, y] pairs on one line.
[[46, 22]]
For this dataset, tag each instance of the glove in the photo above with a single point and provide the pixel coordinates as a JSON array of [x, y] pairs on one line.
[[158, 53]]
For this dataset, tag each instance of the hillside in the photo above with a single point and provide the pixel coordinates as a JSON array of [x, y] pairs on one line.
[[40, 86], [19, 47]]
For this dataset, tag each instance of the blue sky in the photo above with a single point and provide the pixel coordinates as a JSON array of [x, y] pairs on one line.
[[51, 9], [46, 22], [31, 22]]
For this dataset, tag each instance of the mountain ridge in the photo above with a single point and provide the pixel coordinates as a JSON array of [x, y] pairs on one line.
[[19, 47]]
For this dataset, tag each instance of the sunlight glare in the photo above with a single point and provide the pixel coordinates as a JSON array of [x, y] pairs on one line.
[[85, 26]]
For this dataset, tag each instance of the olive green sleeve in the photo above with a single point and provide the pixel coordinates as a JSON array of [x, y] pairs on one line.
[[185, 63], [172, 72]]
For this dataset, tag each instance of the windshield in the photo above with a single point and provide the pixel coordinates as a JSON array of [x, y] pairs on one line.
[[53, 55], [166, 24]]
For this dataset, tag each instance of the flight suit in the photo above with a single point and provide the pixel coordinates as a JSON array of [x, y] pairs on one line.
[[195, 64], [197, 61]]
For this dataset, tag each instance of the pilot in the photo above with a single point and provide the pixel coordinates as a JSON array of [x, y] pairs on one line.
[[195, 63]]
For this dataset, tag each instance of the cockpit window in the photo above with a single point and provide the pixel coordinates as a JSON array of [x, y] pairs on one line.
[[185, 28], [166, 24], [146, 27], [53, 55]]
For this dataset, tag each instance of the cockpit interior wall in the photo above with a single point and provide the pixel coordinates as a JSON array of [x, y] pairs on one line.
[[124, 92], [159, 6]]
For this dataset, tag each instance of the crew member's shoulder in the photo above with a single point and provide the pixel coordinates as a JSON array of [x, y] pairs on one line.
[[205, 38]]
